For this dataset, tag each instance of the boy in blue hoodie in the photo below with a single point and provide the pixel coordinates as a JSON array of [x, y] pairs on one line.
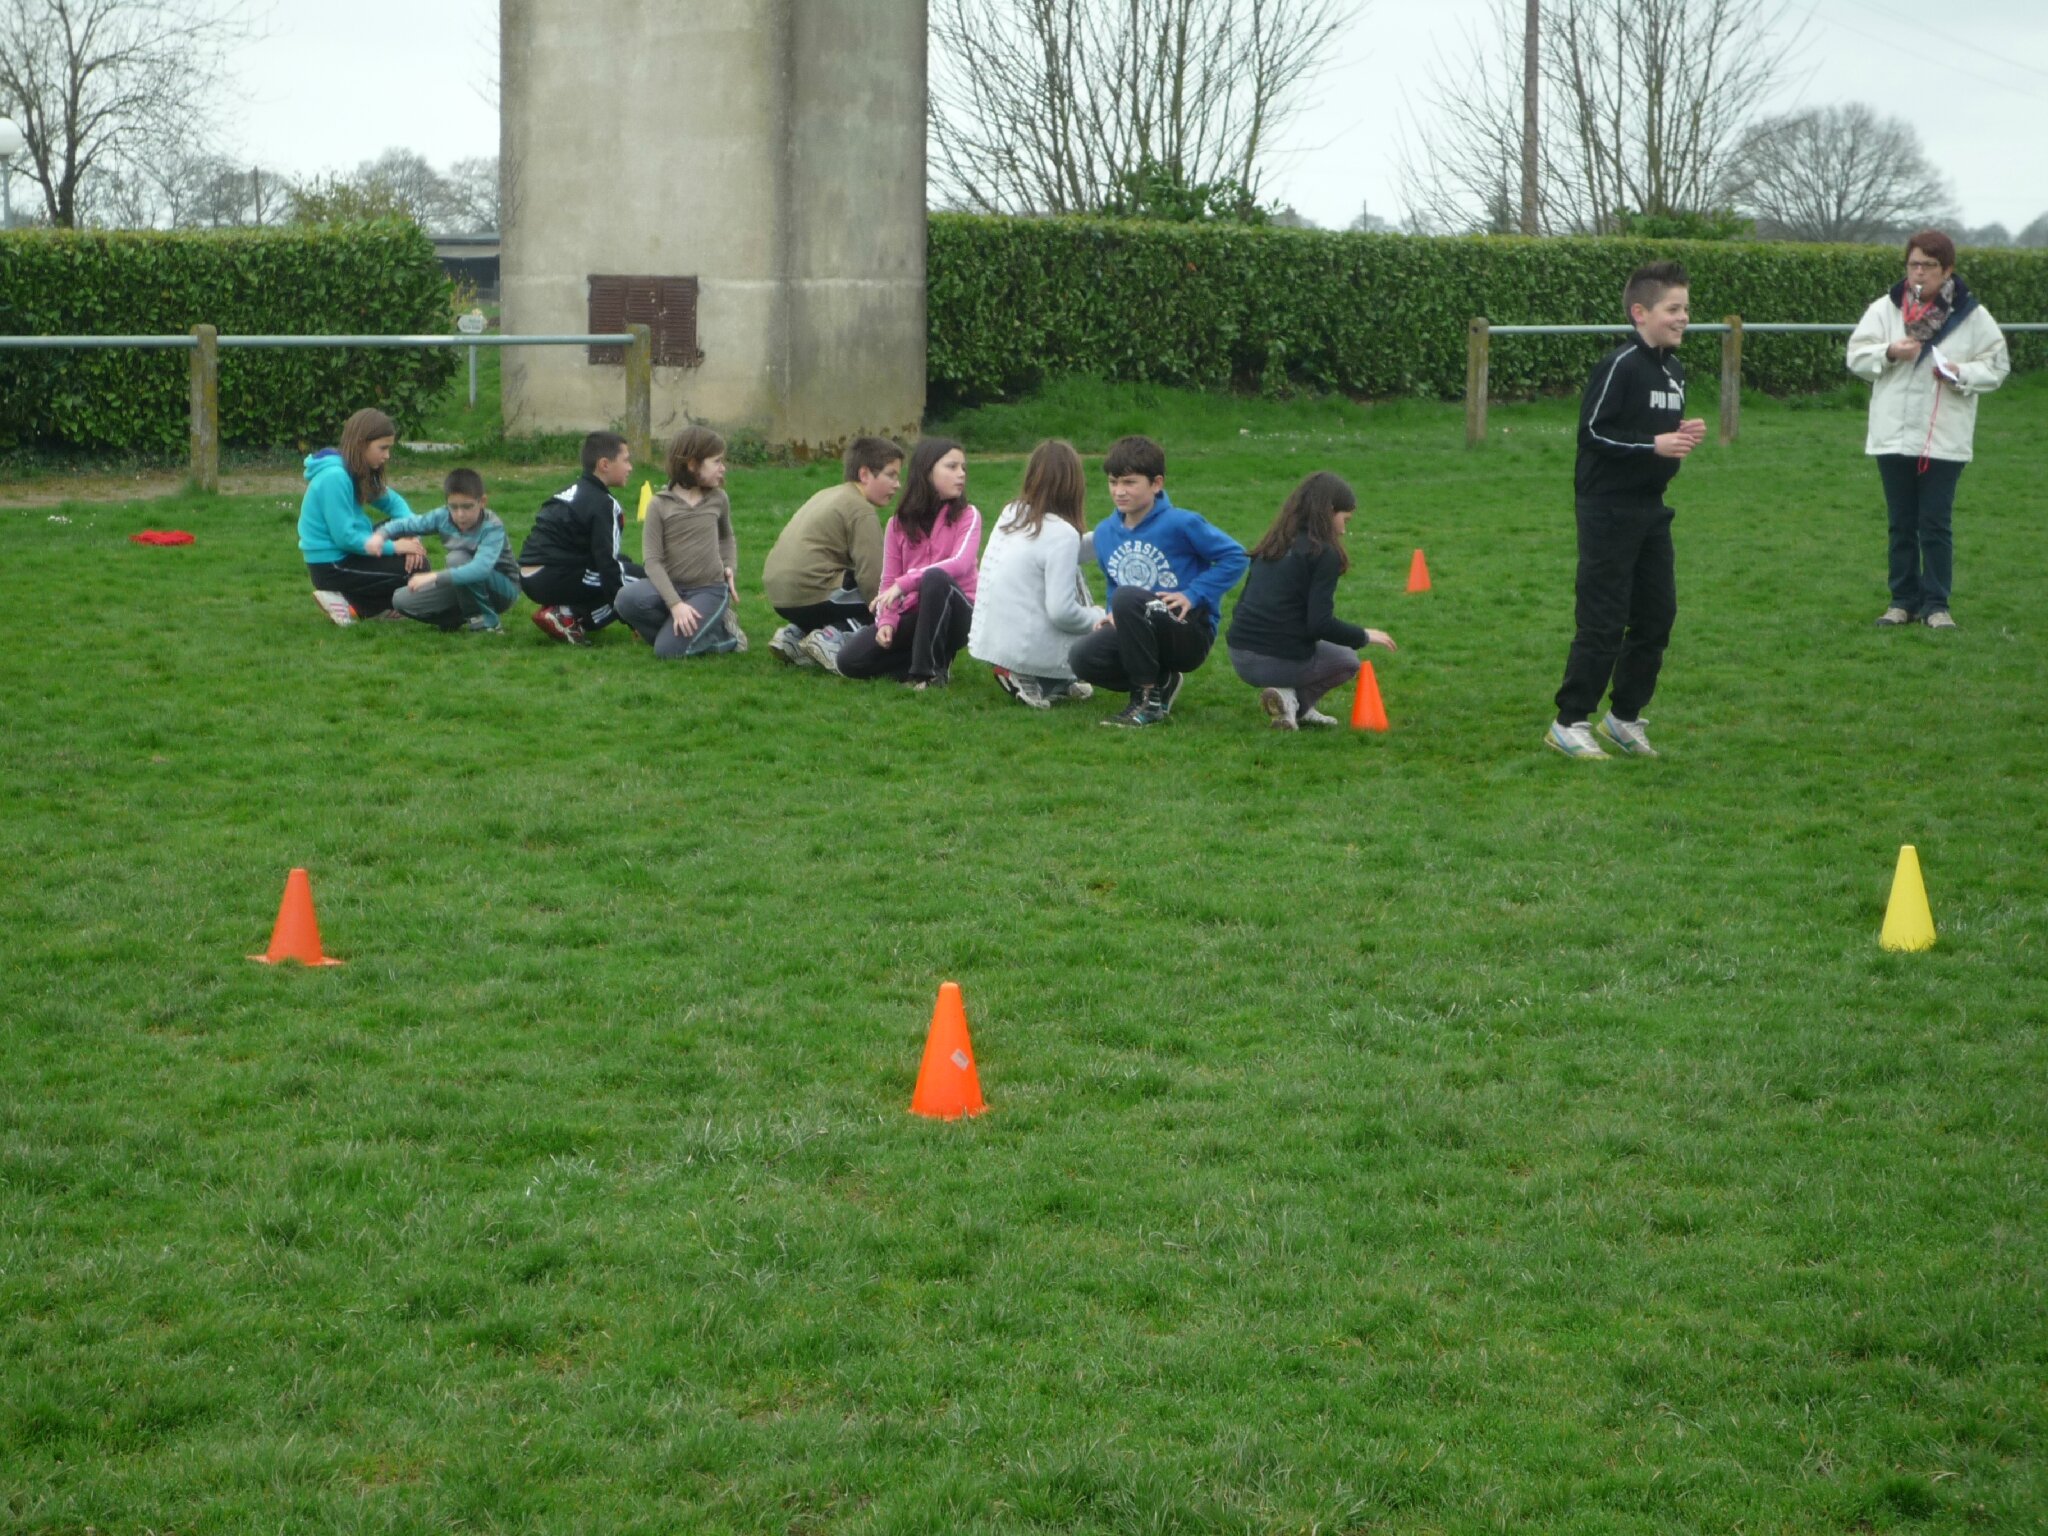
[[479, 580], [350, 580], [1168, 569]]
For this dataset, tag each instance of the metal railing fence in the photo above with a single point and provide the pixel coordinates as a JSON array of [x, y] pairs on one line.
[[205, 343], [1731, 331]]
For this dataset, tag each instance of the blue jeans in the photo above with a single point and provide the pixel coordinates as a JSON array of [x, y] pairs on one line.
[[1921, 509]]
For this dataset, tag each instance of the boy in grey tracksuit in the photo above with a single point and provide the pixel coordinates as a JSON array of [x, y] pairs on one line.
[[479, 579]]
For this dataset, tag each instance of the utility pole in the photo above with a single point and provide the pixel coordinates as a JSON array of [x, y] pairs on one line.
[[1529, 86]]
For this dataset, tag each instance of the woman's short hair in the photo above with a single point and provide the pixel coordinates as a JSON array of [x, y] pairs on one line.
[[1935, 244]]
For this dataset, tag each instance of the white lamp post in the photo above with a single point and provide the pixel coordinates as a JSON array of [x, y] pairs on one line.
[[11, 141]]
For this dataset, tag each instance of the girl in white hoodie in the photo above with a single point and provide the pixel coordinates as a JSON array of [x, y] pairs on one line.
[[1929, 350], [1033, 601]]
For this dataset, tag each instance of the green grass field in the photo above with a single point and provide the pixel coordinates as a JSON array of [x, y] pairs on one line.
[[1406, 1133]]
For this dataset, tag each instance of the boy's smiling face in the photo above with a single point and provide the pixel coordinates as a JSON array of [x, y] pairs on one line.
[[1663, 323], [465, 512], [1132, 494]]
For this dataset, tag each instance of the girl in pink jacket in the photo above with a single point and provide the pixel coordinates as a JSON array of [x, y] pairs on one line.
[[930, 552]]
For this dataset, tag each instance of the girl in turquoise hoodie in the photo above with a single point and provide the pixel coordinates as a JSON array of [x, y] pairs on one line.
[[334, 524]]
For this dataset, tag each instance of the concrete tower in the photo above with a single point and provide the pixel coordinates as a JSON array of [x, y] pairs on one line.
[[745, 175]]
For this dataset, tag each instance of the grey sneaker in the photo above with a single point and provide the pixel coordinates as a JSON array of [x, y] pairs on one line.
[[786, 644], [1318, 719], [1941, 618], [1893, 617], [1280, 706], [1029, 692], [822, 646], [1573, 740], [1628, 735], [733, 630], [483, 624]]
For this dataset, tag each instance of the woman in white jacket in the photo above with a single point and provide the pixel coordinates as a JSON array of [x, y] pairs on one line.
[[1929, 349], [1033, 598]]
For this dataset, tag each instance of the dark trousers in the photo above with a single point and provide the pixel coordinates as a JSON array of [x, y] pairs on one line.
[[1142, 645], [1627, 600], [1921, 509], [368, 581], [583, 592], [926, 639], [817, 615]]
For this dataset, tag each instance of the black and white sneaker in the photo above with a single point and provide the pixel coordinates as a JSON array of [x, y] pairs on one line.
[[1143, 710], [1169, 690]]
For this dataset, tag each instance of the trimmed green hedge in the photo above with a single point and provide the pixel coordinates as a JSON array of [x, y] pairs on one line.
[[381, 277], [1014, 301]]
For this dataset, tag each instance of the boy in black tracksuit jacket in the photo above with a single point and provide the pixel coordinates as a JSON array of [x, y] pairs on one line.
[[570, 564], [1632, 437]]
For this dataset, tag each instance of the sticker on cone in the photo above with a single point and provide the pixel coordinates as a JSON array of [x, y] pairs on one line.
[[1908, 924], [1418, 573], [947, 1084], [297, 934], [1367, 712]]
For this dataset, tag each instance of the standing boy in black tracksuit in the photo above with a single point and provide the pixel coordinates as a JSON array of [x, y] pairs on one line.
[[569, 564], [1632, 436]]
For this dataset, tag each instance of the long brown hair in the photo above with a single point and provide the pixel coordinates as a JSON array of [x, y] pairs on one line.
[[920, 510], [692, 446], [1053, 487], [357, 433], [1310, 512]]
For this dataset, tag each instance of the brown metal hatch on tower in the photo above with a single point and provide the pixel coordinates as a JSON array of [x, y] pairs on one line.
[[667, 306]]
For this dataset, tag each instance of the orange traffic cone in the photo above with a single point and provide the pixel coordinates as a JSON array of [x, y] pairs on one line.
[[1367, 712], [297, 934], [1418, 573], [947, 1084]]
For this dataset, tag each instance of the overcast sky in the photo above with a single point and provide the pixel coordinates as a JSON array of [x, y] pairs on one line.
[[328, 86]]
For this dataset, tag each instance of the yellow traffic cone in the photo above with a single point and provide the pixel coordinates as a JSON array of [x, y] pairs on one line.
[[1908, 924], [646, 495]]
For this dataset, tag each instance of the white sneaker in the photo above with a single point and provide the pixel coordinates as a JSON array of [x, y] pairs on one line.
[[1317, 718], [1279, 705], [336, 607], [1078, 690], [822, 646], [1628, 735], [1573, 740]]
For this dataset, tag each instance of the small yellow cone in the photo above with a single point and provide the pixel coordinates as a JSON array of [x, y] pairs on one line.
[[1907, 922], [646, 495]]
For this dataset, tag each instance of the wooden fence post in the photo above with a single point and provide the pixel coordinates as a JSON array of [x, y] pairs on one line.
[[1731, 379], [1475, 382], [640, 392], [205, 424]]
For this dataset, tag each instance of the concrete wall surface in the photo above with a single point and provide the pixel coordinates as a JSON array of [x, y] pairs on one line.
[[772, 149]]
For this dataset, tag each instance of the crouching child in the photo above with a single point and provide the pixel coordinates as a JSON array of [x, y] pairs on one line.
[[479, 579]]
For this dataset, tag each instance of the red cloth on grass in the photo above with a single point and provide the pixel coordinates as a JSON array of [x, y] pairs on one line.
[[160, 536]]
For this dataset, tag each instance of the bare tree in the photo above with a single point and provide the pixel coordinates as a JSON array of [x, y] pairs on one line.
[[1836, 174], [93, 82], [1646, 100], [472, 197], [2035, 235], [1053, 106]]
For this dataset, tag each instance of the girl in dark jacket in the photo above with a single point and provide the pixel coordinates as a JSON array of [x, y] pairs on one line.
[[1285, 638]]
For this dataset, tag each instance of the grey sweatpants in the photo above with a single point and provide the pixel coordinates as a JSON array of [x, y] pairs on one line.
[[1330, 666], [447, 604], [640, 605]]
